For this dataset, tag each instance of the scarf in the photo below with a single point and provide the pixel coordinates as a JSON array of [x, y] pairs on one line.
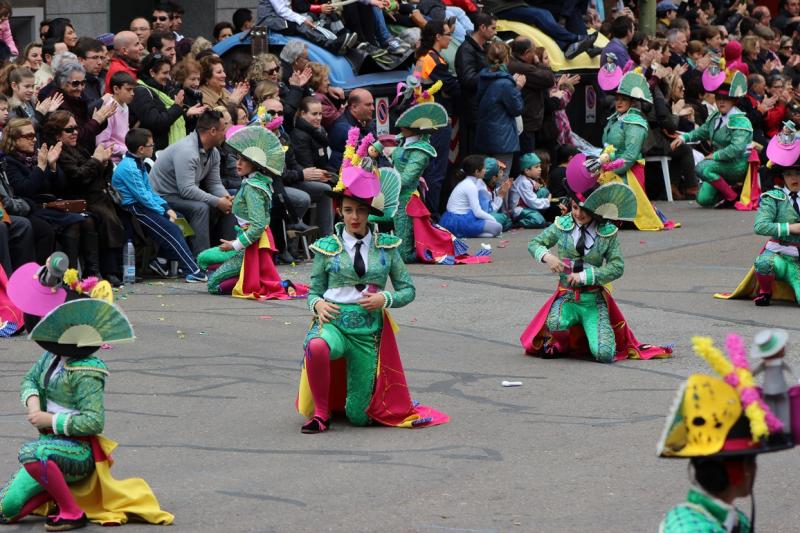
[[177, 130], [29, 161]]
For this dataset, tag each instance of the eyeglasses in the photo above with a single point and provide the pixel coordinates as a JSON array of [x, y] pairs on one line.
[[275, 113], [162, 18], [77, 83], [27, 136], [71, 129], [272, 71]]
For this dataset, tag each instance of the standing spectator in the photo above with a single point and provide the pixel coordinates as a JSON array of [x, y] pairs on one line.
[[212, 84], [622, 31], [62, 31], [186, 175], [242, 20], [176, 13], [122, 87], [222, 30], [332, 103], [789, 14], [500, 103], [163, 43], [470, 60], [70, 80], [91, 54], [141, 27], [430, 68], [359, 113], [153, 109], [535, 92], [31, 57], [5, 27], [86, 177], [186, 78], [127, 54], [161, 18]]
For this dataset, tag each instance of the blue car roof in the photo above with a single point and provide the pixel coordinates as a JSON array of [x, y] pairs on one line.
[[341, 72]]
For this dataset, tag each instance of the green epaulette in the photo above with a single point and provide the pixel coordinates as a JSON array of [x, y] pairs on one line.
[[776, 194], [264, 184], [423, 146], [387, 240], [634, 117], [565, 222], [739, 121], [87, 364], [607, 230], [330, 245]]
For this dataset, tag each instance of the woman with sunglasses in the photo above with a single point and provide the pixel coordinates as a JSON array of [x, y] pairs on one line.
[[33, 175], [86, 177], [70, 80]]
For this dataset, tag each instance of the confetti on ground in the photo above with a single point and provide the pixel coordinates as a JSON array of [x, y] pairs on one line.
[[287, 323], [444, 285], [642, 242], [202, 333], [161, 319], [159, 295], [265, 317], [105, 346], [413, 320], [181, 335], [503, 243]]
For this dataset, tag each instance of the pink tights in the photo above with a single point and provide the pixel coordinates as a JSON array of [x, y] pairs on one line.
[[52, 481], [318, 370]]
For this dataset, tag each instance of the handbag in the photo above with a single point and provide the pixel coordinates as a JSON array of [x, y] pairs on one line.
[[66, 206]]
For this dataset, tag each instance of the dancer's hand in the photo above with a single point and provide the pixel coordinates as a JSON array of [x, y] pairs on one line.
[[326, 311], [372, 301], [40, 419], [676, 143], [225, 246], [794, 229], [554, 263], [574, 279]]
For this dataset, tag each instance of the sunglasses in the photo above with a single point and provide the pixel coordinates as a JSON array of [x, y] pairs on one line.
[[71, 129], [275, 113], [273, 71], [77, 83], [162, 18], [27, 136]]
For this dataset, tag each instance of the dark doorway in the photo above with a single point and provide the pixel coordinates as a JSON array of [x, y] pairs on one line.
[[198, 20]]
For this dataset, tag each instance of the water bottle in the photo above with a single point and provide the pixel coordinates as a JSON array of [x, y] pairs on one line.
[[129, 264]]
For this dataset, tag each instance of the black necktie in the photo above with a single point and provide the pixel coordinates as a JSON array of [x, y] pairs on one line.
[[359, 266], [793, 196], [580, 246]]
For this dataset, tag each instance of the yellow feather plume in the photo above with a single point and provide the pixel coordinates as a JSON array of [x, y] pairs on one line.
[[704, 347]]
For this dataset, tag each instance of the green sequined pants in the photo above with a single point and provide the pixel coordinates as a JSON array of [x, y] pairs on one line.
[[783, 267], [73, 457], [591, 314], [733, 172]]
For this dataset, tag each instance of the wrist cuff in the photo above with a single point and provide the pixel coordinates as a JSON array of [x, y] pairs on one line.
[[312, 302], [388, 300]]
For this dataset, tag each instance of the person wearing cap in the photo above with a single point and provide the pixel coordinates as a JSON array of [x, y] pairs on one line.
[[492, 191], [730, 134], [577, 319], [529, 197], [626, 131], [666, 11], [64, 471], [245, 267], [352, 330], [722, 454]]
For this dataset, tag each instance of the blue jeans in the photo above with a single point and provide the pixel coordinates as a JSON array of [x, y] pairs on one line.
[[380, 26], [542, 19], [463, 24]]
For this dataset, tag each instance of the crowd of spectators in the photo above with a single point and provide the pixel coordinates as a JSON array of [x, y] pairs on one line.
[[119, 137]]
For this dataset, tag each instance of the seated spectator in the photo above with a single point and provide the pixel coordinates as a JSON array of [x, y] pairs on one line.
[[21, 92], [366, 20], [86, 177], [331, 98], [773, 120], [222, 30], [31, 57], [529, 197], [491, 196], [756, 104], [161, 17], [676, 116], [358, 113], [62, 31], [242, 20], [213, 87], [186, 77], [712, 38], [122, 90], [44, 74], [677, 43], [279, 16], [464, 216], [70, 80], [622, 31], [153, 212], [141, 27], [152, 107], [558, 174], [33, 176], [186, 175], [127, 55], [91, 55], [296, 74], [202, 47]]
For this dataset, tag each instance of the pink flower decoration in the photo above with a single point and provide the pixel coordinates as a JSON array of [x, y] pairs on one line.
[[352, 137], [275, 123], [736, 351], [365, 144], [732, 379], [89, 283]]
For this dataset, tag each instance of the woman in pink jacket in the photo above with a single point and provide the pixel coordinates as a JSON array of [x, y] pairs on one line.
[[5, 27]]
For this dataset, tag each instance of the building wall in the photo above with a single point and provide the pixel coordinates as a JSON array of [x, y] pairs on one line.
[[90, 17]]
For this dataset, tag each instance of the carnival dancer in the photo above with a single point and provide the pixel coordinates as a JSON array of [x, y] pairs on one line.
[[776, 272], [730, 133], [577, 319], [351, 358], [720, 425], [63, 392], [626, 130], [421, 239], [245, 267]]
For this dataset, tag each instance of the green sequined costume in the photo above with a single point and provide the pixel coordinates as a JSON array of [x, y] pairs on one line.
[[251, 206], [775, 214], [76, 386], [410, 159], [702, 513], [729, 160], [603, 264], [355, 333], [627, 134]]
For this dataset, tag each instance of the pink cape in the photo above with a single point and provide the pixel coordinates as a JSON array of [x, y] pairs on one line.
[[434, 243], [573, 342], [11, 319]]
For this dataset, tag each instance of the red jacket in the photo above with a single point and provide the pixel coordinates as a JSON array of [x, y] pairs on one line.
[[467, 5], [118, 65], [773, 120]]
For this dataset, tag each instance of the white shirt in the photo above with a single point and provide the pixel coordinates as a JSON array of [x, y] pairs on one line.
[[496, 201], [53, 407], [522, 189], [284, 10], [591, 234], [350, 295], [779, 248], [464, 199]]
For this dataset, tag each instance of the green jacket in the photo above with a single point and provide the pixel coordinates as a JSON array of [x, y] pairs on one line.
[[627, 134], [603, 262], [730, 142], [333, 268], [410, 162], [253, 203], [701, 514], [775, 213], [78, 386]]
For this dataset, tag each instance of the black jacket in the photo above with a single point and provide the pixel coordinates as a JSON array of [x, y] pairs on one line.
[[292, 172], [470, 60], [310, 145], [538, 82], [148, 112]]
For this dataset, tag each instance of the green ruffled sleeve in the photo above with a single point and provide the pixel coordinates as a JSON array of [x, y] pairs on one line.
[[542, 243], [766, 216], [319, 281], [30, 381], [258, 206], [403, 292], [703, 133], [87, 387], [613, 268], [634, 139], [737, 149]]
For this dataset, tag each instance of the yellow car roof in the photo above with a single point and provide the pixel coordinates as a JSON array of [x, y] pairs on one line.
[[557, 60]]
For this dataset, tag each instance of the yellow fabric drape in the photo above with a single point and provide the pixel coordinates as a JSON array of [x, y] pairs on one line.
[[748, 289]]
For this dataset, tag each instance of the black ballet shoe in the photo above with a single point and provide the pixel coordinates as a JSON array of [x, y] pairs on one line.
[[762, 300], [65, 524], [315, 425]]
